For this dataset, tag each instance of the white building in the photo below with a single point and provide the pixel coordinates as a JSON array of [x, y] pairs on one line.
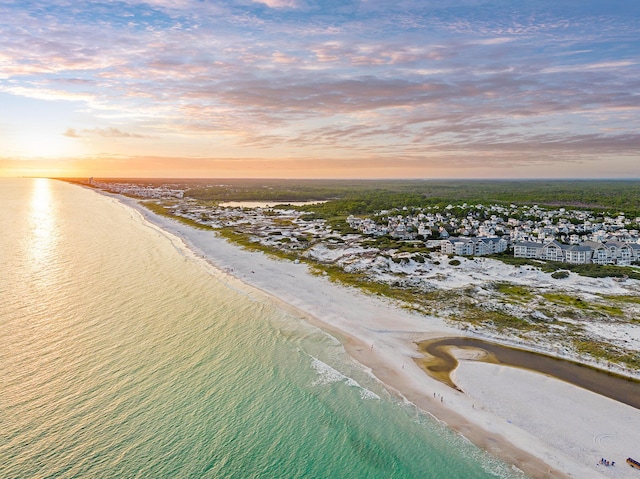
[[473, 246], [611, 252]]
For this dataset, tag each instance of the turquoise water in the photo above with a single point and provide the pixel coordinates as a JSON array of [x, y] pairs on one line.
[[123, 355]]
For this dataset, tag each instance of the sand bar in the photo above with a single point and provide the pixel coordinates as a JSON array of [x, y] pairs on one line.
[[545, 427]]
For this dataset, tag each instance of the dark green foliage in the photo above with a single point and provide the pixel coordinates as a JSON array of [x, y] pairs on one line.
[[365, 202], [367, 196], [560, 274], [340, 225]]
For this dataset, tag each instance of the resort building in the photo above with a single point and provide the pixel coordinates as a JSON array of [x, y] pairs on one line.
[[480, 246], [611, 252]]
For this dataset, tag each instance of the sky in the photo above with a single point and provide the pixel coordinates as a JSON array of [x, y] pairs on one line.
[[320, 88]]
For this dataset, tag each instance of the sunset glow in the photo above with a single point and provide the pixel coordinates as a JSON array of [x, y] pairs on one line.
[[301, 88]]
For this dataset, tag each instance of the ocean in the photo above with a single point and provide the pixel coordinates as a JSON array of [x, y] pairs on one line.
[[124, 355]]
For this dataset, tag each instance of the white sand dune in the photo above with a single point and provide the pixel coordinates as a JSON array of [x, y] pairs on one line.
[[544, 426]]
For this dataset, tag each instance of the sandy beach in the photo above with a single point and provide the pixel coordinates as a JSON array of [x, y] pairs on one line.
[[541, 425]]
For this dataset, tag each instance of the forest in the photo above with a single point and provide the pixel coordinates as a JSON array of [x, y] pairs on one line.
[[345, 197]]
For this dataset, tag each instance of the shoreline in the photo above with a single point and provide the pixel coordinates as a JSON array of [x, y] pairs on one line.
[[383, 338]]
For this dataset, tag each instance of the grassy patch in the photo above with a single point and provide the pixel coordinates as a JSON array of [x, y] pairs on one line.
[[609, 309], [561, 299], [282, 222], [515, 291], [607, 352], [158, 208], [621, 298], [498, 320]]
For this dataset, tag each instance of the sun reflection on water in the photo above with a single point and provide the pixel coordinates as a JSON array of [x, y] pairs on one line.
[[42, 220]]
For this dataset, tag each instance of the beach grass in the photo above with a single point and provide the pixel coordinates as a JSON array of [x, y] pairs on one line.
[[607, 352], [562, 299], [621, 298], [515, 291], [161, 209], [245, 241]]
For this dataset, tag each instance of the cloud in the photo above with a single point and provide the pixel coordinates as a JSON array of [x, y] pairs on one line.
[[71, 133], [114, 133], [357, 78], [590, 66], [49, 94], [109, 132], [279, 57], [279, 3]]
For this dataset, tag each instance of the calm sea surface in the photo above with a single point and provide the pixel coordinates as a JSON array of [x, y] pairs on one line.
[[123, 355]]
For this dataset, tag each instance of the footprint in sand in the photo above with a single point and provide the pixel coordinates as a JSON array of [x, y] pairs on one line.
[[602, 438]]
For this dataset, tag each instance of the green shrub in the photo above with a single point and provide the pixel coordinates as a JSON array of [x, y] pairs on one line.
[[560, 274], [454, 262]]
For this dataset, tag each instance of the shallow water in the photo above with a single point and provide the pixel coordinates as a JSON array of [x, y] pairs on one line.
[[124, 355]]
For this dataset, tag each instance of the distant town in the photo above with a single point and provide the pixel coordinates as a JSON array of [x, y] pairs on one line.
[[561, 235]]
